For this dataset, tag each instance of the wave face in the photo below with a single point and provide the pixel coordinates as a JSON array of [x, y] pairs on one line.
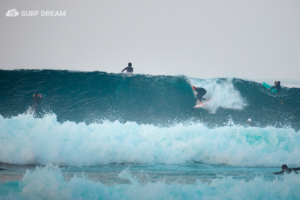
[[92, 118], [159, 100]]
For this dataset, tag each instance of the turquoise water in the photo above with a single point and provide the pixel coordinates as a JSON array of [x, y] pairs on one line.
[[107, 136], [192, 181]]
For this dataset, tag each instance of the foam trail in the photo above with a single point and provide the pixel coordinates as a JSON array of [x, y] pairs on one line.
[[49, 183], [221, 94], [25, 139]]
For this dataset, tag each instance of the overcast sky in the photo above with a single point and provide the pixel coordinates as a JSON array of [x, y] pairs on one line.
[[253, 39]]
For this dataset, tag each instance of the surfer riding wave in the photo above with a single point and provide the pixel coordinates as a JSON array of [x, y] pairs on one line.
[[200, 93]]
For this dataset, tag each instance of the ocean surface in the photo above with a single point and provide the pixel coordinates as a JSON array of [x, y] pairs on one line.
[[97, 135]]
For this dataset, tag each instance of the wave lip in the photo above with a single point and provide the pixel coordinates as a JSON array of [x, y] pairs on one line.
[[220, 93], [29, 140]]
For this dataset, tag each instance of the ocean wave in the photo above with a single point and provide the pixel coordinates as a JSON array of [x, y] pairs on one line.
[[28, 140], [48, 183], [145, 99]]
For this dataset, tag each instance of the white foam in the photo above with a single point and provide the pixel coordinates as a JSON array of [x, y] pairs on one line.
[[48, 183], [220, 93], [25, 140]]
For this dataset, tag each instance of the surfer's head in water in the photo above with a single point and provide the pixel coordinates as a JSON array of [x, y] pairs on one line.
[[37, 95], [36, 100], [129, 64], [284, 167]]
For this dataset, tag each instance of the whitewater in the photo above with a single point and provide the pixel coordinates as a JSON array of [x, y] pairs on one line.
[[97, 135]]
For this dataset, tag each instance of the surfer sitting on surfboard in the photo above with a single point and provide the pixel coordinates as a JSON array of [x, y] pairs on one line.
[[201, 92], [277, 86], [129, 68]]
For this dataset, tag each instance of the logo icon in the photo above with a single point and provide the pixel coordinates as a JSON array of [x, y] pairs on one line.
[[12, 13]]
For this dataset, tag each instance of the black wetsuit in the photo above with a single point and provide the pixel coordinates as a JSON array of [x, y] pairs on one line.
[[129, 69], [288, 170], [201, 92], [277, 86]]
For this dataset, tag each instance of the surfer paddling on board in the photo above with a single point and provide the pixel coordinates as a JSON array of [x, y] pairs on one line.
[[277, 86], [285, 169], [200, 93], [128, 68]]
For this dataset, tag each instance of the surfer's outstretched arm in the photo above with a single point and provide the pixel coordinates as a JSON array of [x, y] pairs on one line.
[[124, 69], [271, 87], [282, 172]]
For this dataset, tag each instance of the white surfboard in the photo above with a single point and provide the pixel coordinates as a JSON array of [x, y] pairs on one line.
[[201, 104]]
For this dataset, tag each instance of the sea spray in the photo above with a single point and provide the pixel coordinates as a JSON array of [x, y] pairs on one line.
[[49, 183], [220, 93], [29, 140]]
